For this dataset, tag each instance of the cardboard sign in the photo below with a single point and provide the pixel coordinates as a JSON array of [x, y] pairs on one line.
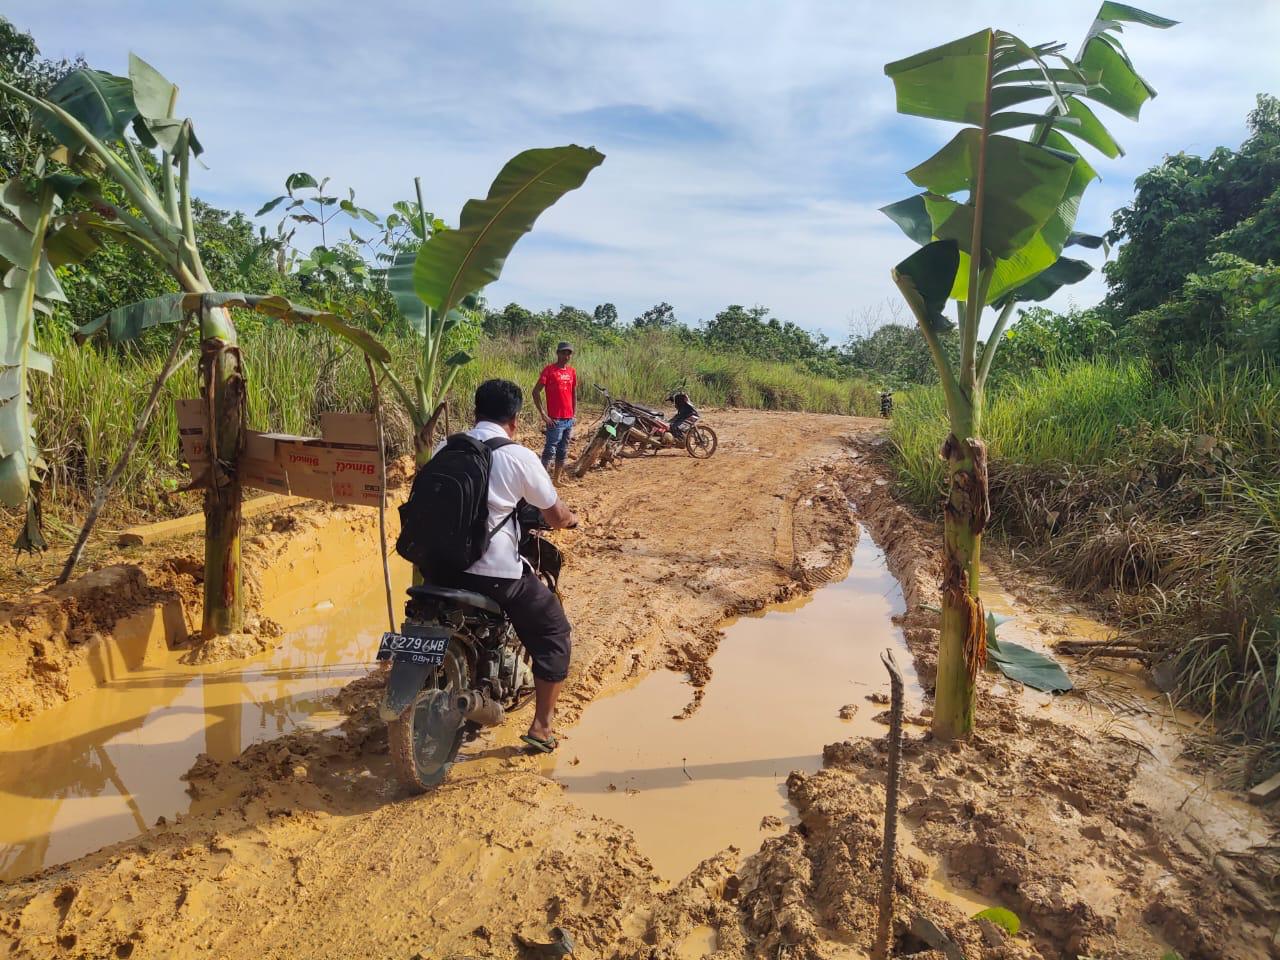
[[357, 478], [340, 466], [308, 464], [193, 432]]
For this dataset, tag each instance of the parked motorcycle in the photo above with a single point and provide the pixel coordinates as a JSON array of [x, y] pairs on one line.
[[618, 420], [652, 433], [456, 666]]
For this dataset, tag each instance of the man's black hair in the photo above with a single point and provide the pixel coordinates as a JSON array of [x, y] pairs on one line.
[[498, 400]]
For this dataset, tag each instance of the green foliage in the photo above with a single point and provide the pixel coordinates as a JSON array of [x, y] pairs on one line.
[[455, 263], [1041, 338], [605, 315], [28, 286], [1005, 919], [1233, 308], [1159, 491], [21, 139], [128, 323], [894, 354], [234, 256], [661, 316], [753, 333], [1189, 208]]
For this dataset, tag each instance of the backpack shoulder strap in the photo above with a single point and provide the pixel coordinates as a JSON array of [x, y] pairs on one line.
[[497, 443]]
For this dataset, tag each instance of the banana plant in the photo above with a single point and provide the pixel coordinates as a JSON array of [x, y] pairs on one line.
[[993, 217], [91, 113], [434, 283], [27, 285]]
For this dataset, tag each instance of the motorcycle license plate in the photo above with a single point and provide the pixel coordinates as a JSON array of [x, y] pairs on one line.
[[416, 645]]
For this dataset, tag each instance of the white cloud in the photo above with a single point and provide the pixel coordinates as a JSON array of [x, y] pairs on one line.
[[773, 201]]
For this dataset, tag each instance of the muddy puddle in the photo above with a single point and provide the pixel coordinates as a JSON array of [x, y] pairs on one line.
[[689, 788], [106, 765]]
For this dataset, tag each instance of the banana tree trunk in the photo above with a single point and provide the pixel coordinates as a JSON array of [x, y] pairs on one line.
[[962, 648], [223, 382]]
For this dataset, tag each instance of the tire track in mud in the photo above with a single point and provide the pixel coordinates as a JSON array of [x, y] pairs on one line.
[[314, 854]]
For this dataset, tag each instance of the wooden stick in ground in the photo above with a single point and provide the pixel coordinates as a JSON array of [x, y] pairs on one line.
[[885, 928], [382, 503], [171, 363]]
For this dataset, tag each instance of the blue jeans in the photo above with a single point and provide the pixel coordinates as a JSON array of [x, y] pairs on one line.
[[557, 444]]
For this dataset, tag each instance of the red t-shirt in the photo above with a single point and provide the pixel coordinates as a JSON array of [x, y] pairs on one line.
[[560, 382]]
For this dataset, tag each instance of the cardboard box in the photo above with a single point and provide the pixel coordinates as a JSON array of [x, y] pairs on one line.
[[308, 464], [357, 477], [349, 430], [317, 486], [259, 446], [343, 466], [263, 475], [193, 429]]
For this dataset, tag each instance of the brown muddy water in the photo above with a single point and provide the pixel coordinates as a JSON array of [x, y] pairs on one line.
[[689, 788], [104, 766]]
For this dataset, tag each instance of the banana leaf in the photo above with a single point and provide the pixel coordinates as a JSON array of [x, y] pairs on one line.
[[1027, 666], [455, 263], [128, 322], [22, 466]]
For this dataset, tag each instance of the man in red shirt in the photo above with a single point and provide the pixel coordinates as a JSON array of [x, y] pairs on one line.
[[559, 382]]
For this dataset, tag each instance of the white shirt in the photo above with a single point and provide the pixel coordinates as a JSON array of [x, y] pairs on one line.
[[516, 474]]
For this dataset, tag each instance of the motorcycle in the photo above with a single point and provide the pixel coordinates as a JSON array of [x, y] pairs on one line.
[[456, 666], [652, 433], [617, 422]]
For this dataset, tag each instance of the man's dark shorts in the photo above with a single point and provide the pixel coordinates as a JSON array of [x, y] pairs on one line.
[[536, 614]]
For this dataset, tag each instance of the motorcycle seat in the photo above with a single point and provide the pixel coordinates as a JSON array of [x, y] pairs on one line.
[[428, 591]]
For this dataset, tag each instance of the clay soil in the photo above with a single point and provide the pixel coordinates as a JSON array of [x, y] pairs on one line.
[[310, 850]]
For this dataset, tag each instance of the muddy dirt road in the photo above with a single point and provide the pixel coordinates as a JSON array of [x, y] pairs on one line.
[[301, 847]]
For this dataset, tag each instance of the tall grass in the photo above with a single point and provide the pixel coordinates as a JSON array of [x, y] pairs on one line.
[[1162, 494], [86, 410]]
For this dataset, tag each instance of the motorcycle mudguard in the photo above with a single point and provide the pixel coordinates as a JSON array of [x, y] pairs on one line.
[[405, 683]]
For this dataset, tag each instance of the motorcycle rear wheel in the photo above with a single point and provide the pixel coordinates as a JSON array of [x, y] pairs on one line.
[[424, 740], [701, 442]]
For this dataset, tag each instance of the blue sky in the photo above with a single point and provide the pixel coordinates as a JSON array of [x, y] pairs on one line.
[[748, 144]]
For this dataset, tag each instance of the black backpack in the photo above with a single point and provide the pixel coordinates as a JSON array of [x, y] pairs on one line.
[[444, 525]]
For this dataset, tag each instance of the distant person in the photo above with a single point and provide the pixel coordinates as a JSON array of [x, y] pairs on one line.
[[559, 382]]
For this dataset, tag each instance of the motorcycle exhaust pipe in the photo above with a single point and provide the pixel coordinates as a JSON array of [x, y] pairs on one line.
[[479, 707]]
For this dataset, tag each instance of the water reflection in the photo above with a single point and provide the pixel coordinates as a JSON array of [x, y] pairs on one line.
[[106, 765], [688, 788]]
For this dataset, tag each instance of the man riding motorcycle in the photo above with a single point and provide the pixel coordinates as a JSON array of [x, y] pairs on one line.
[[517, 478]]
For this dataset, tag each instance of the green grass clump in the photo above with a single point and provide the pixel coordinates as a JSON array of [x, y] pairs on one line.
[[1161, 494]]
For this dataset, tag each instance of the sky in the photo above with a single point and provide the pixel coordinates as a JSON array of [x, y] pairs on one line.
[[748, 144]]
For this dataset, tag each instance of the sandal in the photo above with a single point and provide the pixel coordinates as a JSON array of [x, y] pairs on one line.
[[538, 745]]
